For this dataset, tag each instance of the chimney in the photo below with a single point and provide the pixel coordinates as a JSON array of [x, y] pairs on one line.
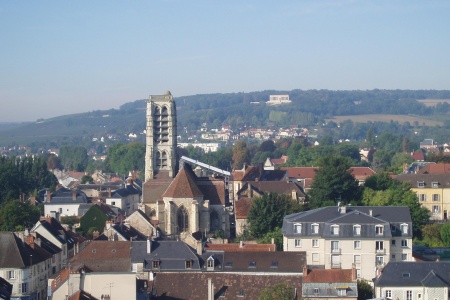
[[30, 240], [305, 271], [199, 247], [49, 196], [109, 192], [343, 209], [370, 212], [241, 244], [149, 246], [95, 234], [354, 272], [210, 289], [74, 195]]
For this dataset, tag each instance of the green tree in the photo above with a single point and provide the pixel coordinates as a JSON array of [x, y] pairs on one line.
[[74, 158], [370, 138], [123, 158], [240, 154], [276, 235], [365, 290], [16, 215], [267, 213], [445, 234], [334, 182], [86, 179], [432, 235], [391, 192], [279, 291]]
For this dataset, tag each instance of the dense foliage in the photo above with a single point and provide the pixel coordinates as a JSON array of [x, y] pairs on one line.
[[123, 158], [93, 219], [16, 215], [267, 213], [333, 183], [22, 177], [74, 158], [381, 190], [279, 291]]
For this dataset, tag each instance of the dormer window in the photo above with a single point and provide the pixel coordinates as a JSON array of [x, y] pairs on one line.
[[297, 228], [404, 228], [314, 228], [252, 264], [274, 264], [156, 264], [357, 230], [379, 229], [421, 184], [406, 275], [334, 229], [188, 264], [210, 264], [435, 184]]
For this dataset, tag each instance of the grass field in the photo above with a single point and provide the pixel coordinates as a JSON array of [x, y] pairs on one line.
[[433, 102], [386, 118]]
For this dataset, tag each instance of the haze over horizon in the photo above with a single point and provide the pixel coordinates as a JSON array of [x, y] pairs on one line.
[[61, 58]]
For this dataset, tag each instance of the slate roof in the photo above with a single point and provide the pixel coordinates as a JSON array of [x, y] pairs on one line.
[[125, 192], [194, 286], [127, 232], [241, 248], [20, 255], [171, 254], [105, 256], [366, 216], [65, 196], [184, 185], [5, 289], [428, 274], [443, 180]]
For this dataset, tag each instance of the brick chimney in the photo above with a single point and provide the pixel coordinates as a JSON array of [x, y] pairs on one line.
[[49, 196], [354, 277], [305, 271]]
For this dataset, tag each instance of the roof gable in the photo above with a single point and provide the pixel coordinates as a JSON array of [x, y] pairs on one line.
[[184, 185]]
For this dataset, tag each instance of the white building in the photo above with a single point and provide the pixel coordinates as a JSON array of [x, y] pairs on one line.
[[414, 280], [340, 237], [26, 267], [278, 99]]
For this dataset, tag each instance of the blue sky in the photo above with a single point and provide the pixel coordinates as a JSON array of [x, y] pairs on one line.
[[63, 57]]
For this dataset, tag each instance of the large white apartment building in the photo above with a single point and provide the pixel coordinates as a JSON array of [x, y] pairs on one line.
[[340, 237]]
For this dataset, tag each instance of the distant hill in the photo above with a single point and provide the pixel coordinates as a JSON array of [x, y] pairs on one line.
[[239, 110]]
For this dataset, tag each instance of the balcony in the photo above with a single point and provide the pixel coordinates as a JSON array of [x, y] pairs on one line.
[[335, 265], [380, 251], [336, 251]]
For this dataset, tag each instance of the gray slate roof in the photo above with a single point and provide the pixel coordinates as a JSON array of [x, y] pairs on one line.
[[19, 254], [428, 274], [346, 217], [171, 254]]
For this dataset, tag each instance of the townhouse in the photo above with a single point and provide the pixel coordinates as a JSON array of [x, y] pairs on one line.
[[342, 237]]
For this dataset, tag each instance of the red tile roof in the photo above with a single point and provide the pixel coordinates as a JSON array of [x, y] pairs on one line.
[[242, 207], [328, 276], [301, 172], [184, 185], [435, 169]]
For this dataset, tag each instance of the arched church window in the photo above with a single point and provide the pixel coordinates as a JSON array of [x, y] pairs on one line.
[[183, 219]]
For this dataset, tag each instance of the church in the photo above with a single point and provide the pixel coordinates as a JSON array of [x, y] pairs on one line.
[[181, 202]]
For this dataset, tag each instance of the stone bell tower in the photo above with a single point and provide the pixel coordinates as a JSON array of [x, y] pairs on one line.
[[161, 137]]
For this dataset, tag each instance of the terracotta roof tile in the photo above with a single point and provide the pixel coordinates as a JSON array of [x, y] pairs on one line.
[[213, 190], [435, 169], [195, 285], [242, 207], [184, 185], [328, 276], [97, 256]]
